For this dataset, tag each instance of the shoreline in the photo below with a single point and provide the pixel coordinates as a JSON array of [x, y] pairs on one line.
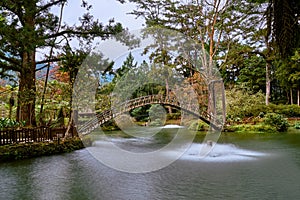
[[21, 151]]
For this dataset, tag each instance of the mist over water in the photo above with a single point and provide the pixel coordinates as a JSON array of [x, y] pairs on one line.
[[223, 153], [218, 152]]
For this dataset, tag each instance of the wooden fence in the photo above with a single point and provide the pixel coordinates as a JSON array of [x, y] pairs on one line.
[[37, 134]]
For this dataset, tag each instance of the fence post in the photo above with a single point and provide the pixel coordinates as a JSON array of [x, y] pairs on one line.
[[14, 136], [34, 134], [51, 133]]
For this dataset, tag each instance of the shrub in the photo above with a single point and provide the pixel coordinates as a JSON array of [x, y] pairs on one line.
[[281, 124], [250, 128], [173, 116], [10, 123], [288, 110], [297, 125], [241, 103], [198, 126], [156, 122], [156, 111], [29, 150]]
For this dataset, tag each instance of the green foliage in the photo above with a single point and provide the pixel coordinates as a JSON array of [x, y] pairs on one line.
[[281, 124], [285, 110], [173, 116], [250, 128], [156, 122], [129, 64], [157, 115], [29, 150], [241, 103], [140, 113], [111, 125], [198, 126], [286, 25], [297, 125], [60, 121], [10, 123], [28, 27], [87, 140], [253, 73], [157, 111]]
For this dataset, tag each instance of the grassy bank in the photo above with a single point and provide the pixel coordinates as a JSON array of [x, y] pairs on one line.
[[30, 150]]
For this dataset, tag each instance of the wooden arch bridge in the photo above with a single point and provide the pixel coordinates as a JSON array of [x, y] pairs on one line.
[[103, 117]]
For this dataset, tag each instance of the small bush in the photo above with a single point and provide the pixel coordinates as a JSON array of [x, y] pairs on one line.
[[285, 110], [10, 123], [173, 116], [250, 128], [30, 150], [242, 103], [198, 126], [281, 124], [156, 122], [157, 113], [297, 125]]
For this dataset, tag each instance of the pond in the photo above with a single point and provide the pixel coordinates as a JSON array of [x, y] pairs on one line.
[[241, 166]]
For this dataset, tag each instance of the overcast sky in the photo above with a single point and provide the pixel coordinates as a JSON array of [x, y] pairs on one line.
[[103, 10]]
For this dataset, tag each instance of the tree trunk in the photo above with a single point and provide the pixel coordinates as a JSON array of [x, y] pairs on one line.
[[71, 124], [41, 116], [27, 87], [298, 97], [291, 94], [167, 95], [287, 97], [268, 83], [11, 104], [27, 90], [68, 133]]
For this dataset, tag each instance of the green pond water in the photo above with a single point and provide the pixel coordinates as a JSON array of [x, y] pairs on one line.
[[241, 166]]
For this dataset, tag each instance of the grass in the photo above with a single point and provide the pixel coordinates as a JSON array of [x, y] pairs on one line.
[[257, 128]]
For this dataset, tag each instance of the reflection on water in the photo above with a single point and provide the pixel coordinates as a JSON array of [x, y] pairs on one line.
[[240, 167]]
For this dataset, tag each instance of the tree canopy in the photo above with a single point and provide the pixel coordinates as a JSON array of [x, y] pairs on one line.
[[29, 27]]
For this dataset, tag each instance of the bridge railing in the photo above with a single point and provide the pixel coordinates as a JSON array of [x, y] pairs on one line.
[[27, 135], [122, 107]]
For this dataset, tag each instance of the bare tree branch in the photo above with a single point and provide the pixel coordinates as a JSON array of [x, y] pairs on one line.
[[49, 5], [74, 32], [10, 60]]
